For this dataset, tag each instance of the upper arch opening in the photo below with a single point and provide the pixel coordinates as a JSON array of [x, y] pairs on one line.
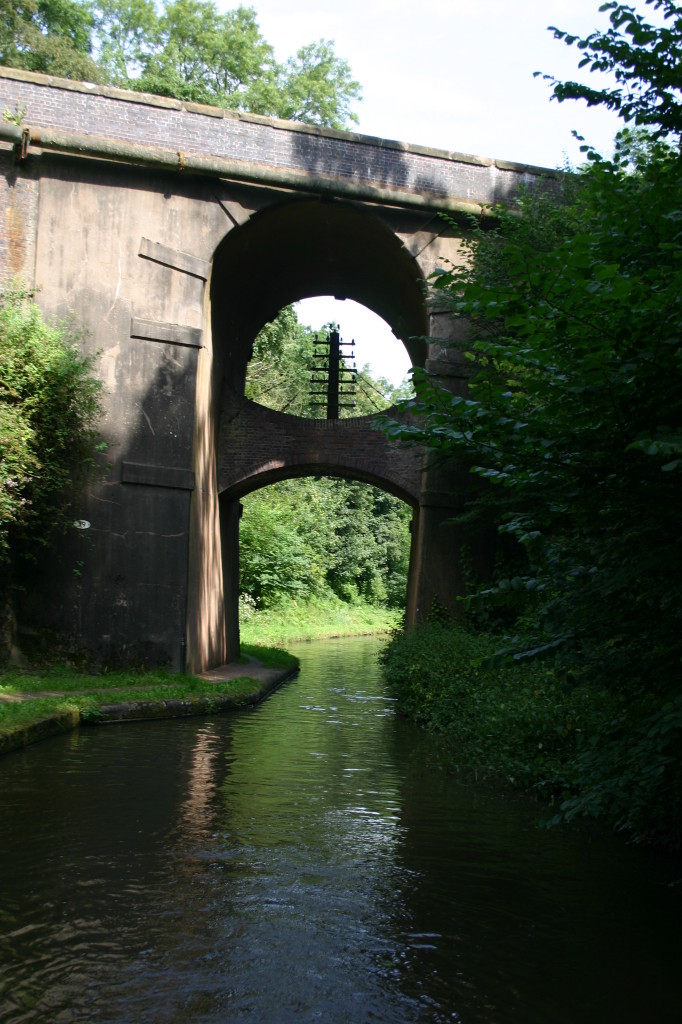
[[300, 248]]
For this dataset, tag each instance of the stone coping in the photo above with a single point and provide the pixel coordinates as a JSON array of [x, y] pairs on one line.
[[168, 103]]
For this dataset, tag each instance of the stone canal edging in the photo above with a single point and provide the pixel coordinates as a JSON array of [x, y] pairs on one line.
[[264, 682]]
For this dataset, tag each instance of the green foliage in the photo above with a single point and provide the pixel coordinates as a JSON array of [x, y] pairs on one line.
[[314, 536], [573, 428], [317, 87], [574, 412], [504, 719], [208, 57], [49, 407], [271, 657], [278, 373], [50, 36], [590, 752], [313, 619], [644, 60], [127, 33], [629, 771], [279, 552], [187, 49]]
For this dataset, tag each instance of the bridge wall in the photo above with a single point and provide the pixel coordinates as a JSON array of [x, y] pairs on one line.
[[133, 243], [264, 150]]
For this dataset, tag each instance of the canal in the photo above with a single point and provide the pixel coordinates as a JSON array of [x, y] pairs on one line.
[[311, 860]]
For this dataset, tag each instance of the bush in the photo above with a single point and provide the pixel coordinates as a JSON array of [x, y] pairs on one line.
[[49, 407], [516, 720], [595, 753]]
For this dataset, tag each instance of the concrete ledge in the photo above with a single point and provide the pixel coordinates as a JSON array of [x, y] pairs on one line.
[[144, 711], [170, 334], [157, 476], [65, 721]]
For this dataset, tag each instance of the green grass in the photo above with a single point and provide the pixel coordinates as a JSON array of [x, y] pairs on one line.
[[60, 689], [271, 657], [87, 693], [513, 720], [24, 713], [315, 620]]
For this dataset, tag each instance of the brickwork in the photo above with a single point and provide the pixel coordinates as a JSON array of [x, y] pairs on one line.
[[258, 446], [18, 221], [209, 131]]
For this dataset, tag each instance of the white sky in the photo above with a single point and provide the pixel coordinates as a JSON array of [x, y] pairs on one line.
[[451, 74]]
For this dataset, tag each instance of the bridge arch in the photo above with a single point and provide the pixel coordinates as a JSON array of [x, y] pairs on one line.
[[292, 248], [297, 248]]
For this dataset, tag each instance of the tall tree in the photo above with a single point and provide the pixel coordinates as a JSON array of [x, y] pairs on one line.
[[574, 419], [127, 33], [574, 415], [208, 57]]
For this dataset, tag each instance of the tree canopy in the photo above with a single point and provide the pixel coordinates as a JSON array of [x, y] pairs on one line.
[[186, 49], [573, 422]]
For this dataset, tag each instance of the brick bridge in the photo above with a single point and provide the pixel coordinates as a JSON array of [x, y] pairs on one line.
[[173, 232]]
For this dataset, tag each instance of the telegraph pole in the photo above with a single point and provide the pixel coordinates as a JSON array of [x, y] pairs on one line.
[[331, 378]]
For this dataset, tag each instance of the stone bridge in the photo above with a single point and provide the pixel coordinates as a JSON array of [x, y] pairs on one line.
[[173, 232]]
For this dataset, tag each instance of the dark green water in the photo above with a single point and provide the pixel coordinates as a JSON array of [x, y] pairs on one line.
[[309, 861]]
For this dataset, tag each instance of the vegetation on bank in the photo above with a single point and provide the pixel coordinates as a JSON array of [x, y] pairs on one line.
[[572, 431], [583, 748], [28, 697], [314, 619], [49, 410]]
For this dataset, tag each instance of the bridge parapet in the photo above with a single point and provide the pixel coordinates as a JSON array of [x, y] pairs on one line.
[[72, 116]]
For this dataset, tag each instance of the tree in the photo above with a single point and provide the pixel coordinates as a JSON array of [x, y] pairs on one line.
[[574, 411], [51, 36], [208, 57], [644, 59], [317, 87], [49, 407], [573, 423], [198, 54], [188, 50], [127, 32], [279, 370]]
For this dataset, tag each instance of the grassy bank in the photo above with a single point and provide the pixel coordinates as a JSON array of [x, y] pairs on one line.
[[314, 620], [59, 693], [589, 752]]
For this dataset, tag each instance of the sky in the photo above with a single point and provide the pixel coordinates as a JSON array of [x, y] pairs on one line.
[[451, 74]]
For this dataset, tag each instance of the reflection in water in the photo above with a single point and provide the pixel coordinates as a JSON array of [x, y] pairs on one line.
[[201, 783], [310, 860]]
